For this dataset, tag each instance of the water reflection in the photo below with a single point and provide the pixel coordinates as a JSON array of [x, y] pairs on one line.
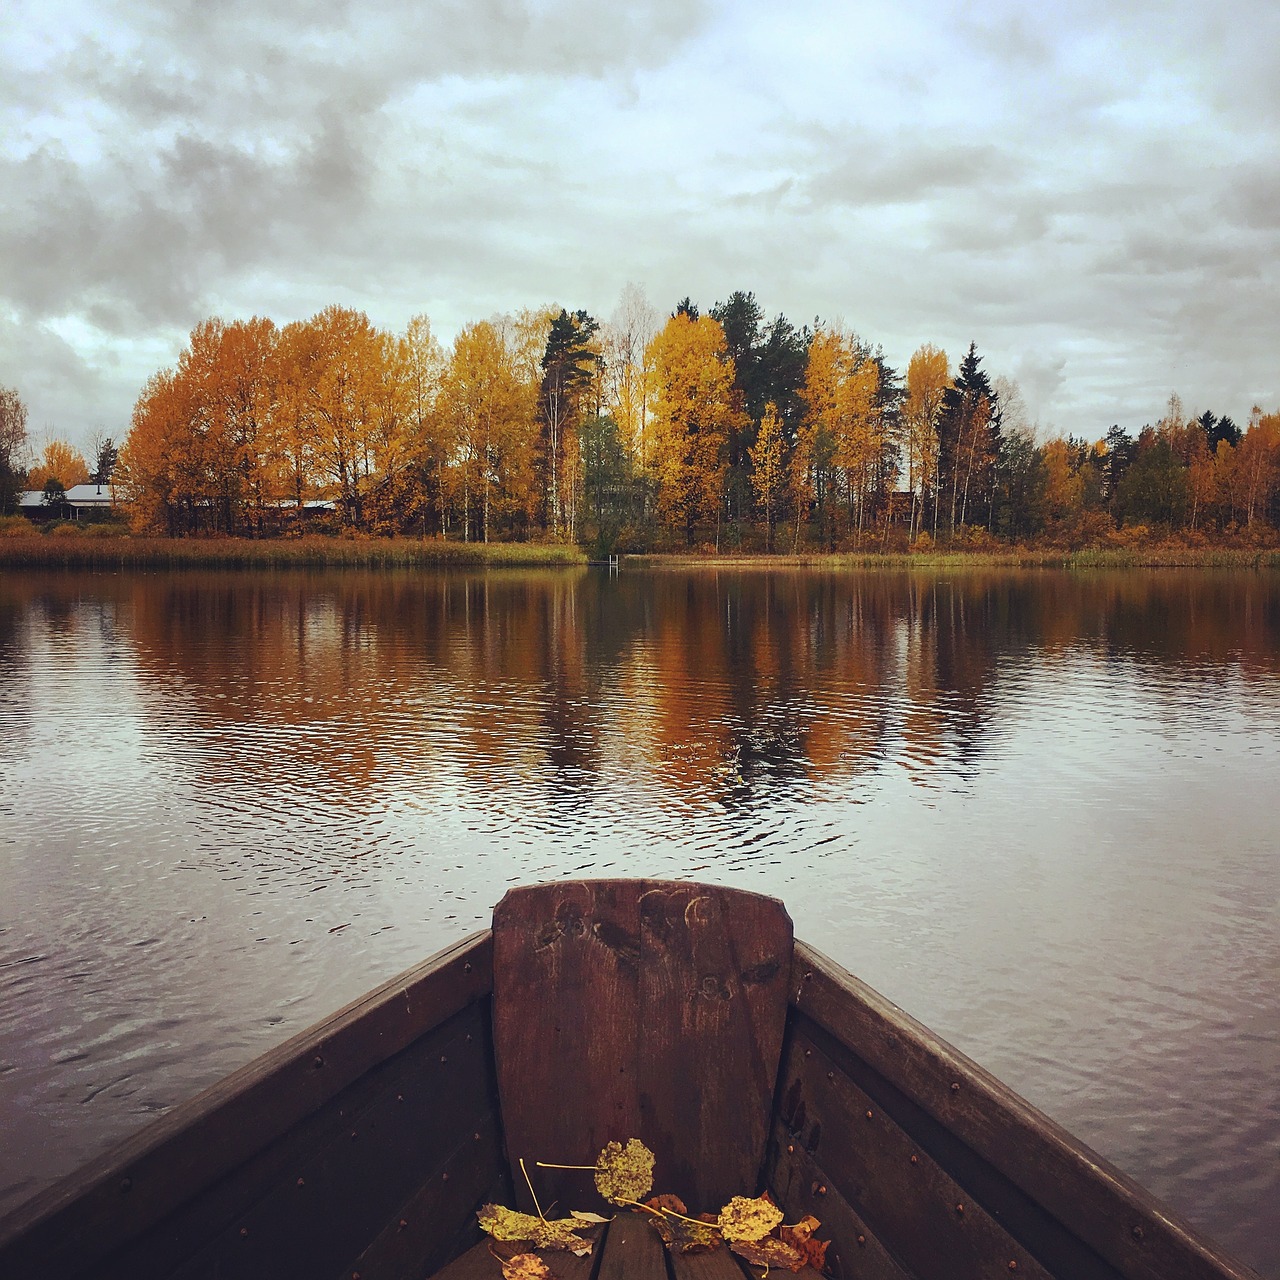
[[230, 801]]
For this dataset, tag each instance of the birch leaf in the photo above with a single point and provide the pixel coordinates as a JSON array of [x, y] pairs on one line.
[[746, 1219], [624, 1173], [526, 1266]]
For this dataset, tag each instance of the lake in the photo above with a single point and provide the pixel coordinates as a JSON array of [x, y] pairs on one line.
[[1035, 808]]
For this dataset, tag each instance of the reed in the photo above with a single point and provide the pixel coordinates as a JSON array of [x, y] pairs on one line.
[[121, 552]]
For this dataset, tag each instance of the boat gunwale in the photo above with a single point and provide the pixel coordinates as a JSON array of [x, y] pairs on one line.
[[1047, 1163], [129, 1189]]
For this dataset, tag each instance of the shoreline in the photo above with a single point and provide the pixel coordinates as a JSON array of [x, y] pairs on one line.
[[90, 551]]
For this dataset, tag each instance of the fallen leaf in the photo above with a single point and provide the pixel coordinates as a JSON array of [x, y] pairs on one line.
[[591, 1218], [800, 1238], [526, 1266], [665, 1201], [746, 1219], [768, 1252], [685, 1236], [624, 1173], [509, 1224]]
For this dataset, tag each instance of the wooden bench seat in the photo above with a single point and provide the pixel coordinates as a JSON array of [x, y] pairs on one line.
[[628, 1249]]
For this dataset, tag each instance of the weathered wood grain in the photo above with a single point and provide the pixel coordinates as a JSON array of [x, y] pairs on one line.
[[632, 1251], [481, 1263], [649, 1009], [1106, 1212], [801, 1187], [73, 1228], [923, 1217]]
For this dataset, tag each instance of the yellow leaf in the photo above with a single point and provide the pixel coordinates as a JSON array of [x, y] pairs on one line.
[[526, 1266], [624, 1173], [509, 1224], [746, 1219]]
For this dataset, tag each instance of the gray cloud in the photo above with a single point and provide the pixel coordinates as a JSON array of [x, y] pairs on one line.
[[1090, 194]]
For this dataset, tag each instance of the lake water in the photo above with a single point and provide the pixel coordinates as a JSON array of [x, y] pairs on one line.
[[1036, 809]]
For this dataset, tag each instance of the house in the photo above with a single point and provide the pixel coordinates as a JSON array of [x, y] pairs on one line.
[[80, 502], [85, 499]]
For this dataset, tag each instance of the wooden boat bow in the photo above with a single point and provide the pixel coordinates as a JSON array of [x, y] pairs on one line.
[[678, 1013]]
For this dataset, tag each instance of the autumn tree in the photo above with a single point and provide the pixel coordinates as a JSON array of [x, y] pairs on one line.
[[768, 468], [488, 409], [928, 377], [692, 416], [62, 462], [421, 359], [13, 443], [626, 340]]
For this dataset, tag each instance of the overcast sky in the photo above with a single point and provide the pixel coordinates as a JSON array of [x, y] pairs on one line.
[[1090, 191]]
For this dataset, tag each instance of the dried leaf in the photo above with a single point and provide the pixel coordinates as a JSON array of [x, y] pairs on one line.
[[800, 1238], [509, 1224], [686, 1237], [746, 1219], [666, 1201], [526, 1266], [624, 1173], [768, 1252], [589, 1218]]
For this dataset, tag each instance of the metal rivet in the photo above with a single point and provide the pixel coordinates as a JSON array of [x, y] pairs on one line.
[[468, 1037], [808, 977], [869, 1115], [403, 1224], [862, 1239], [302, 1182], [791, 1150], [831, 1075], [399, 1097], [353, 1135], [244, 1233], [443, 1058], [959, 1208], [444, 1177], [126, 1184], [808, 1053], [475, 1137], [317, 1061], [1013, 1264], [955, 1086], [822, 1190], [466, 968], [1138, 1233], [915, 1159]]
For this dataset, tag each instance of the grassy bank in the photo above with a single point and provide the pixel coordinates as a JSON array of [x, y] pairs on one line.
[[90, 551], [1152, 557], [100, 547]]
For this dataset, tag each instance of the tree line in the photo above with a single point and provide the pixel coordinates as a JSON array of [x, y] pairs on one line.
[[722, 428]]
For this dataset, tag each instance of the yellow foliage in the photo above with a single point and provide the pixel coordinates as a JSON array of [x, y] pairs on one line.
[[748, 1219], [624, 1174]]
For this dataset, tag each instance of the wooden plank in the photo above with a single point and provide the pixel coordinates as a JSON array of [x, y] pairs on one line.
[[331, 1206], [396, 1092], [632, 1251], [481, 1263], [1116, 1218], [801, 1187], [414, 1242], [72, 1227], [649, 1009], [922, 1216]]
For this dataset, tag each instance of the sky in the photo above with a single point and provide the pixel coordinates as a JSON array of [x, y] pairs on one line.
[[1088, 191]]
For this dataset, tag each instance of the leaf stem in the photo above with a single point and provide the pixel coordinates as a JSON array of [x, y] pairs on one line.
[[668, 1213], [532, 1192], [546, 1164]]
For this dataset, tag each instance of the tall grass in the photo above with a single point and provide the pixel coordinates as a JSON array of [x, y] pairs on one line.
[[92, 551]]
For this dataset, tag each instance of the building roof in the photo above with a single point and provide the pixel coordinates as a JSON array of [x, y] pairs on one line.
[[31, 498], [89, 495]]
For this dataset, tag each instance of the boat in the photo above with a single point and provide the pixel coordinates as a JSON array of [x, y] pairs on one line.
[[681, 1014]]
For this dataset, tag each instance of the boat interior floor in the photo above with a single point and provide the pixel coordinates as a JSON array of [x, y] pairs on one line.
[[627, 1248]]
